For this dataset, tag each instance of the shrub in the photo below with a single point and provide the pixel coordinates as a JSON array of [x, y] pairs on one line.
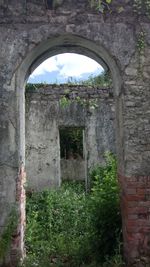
[[58, 226], [105, 209], [67, 227], [6, 237]]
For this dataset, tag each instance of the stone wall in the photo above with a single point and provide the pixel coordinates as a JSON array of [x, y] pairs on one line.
[[45, 116], [30, 33], [73, 169]]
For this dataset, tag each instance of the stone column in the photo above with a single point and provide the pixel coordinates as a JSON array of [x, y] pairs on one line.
[[135, 179]]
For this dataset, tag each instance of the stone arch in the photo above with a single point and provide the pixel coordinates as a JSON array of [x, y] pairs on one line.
[[51, 47], [61, 44], [29, 34]]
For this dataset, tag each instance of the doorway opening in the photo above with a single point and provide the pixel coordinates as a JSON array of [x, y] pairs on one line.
[[72, 152], [62, 91]]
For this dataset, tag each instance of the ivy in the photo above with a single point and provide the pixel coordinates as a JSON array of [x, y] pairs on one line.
[[142, 7], [35, 86], [91, 103], [139, 6], [140, 49], [100, 5], [141, 42]]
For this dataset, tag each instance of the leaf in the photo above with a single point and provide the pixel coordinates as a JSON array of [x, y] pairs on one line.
[[108, 1], [120, 9], [101, 9]]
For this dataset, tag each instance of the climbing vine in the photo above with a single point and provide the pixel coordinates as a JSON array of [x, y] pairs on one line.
[[140, 49], [91, 103], [100, 5], [142, 6], [141, 42], [139, 6]]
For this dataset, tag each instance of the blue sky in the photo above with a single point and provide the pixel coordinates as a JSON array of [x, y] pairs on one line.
[[62, 67]]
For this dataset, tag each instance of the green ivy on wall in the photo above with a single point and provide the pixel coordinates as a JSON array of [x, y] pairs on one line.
[[142, 6], [100, 5], [140, 48], [141, 42], [91, 103], [139, 6]]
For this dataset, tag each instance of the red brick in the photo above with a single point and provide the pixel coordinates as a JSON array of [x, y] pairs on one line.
[[135, 197], [131, 191], [132, 216], [141, 191]]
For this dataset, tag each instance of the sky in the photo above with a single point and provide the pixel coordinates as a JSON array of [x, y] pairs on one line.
[[63, 67]]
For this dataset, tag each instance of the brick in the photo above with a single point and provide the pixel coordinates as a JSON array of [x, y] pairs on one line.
[[131, 191]]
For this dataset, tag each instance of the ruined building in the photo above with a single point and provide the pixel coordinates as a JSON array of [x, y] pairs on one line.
[[118, 39]]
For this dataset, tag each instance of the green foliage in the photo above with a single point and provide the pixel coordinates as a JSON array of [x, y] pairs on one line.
[[142, 7], [35, 86], [89, 103], [64, 102], [5, 239], [71, 142], [67, 227], [139, 6], [58, 226], [140, 49], [102, 80], [141, 42], [100, 5], [105, 208]]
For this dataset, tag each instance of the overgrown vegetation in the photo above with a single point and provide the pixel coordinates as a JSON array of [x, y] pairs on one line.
[[142, 7], [88, 103], [6, 238], [139, 6], [35, 86], [100, 5], [101, 80], [105, 213], [67, 227], [140, 48], [71, 143]]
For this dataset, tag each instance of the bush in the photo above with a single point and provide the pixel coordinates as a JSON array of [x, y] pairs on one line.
[[67, 227], [58, 225], [6, 237], [105, 209]]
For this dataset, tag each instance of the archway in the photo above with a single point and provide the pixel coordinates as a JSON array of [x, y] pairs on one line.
[[53, 46]]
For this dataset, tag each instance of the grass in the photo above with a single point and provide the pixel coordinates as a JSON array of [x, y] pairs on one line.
[[67, 227]]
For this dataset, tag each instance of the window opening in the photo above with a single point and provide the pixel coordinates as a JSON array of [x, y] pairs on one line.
[[71, 143]]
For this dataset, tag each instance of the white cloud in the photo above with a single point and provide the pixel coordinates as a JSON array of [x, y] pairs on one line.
[[68, 65], [48, 65]]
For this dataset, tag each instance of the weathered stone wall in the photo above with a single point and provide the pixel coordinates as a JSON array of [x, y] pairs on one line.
[[73, 170], [45, 116], [29, 33]]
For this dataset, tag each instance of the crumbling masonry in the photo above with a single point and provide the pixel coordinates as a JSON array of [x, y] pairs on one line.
[[45, 117], [30, 33]]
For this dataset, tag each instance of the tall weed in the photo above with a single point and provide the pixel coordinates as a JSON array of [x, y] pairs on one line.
[[67, 227], [105, 209]]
